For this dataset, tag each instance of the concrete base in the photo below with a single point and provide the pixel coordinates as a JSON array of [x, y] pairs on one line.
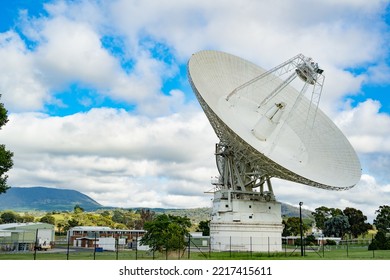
[[245, 222]]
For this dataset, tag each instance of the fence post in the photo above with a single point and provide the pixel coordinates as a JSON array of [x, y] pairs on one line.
[[36, 245], [117, 247], [189, 246], [94, 249], [268, 246], [67, 241], [230, 247], [136, 246], [179, 247], [209, 246], [285, 246], [251, 246]]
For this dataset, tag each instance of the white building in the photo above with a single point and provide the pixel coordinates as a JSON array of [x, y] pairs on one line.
[[24, 236], [104, 238]]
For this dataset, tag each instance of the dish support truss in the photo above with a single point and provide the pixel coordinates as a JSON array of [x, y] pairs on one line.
[[239, 178], [299, 66]]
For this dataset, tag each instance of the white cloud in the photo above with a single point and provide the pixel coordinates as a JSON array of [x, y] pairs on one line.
[[21, 85], [366, 196], [69, 47], [71, 51], [164, 157], [338, 83], [366, 127], [379, 74], [269, 33], [106, 151]]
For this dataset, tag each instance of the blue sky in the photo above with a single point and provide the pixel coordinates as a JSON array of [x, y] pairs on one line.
[[99, 91]]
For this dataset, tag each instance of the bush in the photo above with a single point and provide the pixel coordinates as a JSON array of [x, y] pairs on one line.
[[310, 240], [380, 242], [330, 242]]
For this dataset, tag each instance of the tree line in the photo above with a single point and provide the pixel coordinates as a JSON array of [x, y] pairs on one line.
[[63, 221], [166, 231], [333, 222], [348, 223]]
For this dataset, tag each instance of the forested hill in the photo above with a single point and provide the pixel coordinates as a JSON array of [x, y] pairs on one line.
[[45, 199], [52, 199]]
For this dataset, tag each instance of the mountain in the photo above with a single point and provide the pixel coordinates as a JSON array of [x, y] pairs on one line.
[[45, 199], [52, 199], [292, 211], [202, 214]]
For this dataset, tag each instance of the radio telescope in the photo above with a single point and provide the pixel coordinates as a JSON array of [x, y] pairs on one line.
[[267, 128]]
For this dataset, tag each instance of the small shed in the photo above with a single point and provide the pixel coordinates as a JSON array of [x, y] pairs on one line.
[[24, 236]]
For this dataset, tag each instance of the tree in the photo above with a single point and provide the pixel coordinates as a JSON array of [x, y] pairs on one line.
[[10, 217], [27, 218], [322, 214], [166, 232], [382, 220], [145, 216], [118, 217], [6, 162], [380, 242], [310, 240], [356, 220], [125, 217], [292, 227], [61, 225], [78, 209], [48, 219], [204, 227], [106, 214], [71, 223], [336, 226]]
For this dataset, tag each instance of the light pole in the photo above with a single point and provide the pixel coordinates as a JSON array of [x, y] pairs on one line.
[[301, 226]]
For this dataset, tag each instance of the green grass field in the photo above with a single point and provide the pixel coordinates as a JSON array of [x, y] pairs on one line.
[[333, 253]]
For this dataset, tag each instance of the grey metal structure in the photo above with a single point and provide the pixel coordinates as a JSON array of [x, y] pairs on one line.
[[266, 129], [228, 86]]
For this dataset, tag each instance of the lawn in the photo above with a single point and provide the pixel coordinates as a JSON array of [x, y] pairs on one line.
[[332, 253]]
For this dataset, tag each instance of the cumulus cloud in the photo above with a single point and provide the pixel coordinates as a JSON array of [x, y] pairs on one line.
[[367, 128], [161, 154], [263, 30], [109, 151], [69, 42], [269, 33], [22, 87], [366, 196], [379, 74], [69, 50]]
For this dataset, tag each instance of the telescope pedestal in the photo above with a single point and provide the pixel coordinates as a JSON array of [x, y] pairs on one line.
[[245, 221]]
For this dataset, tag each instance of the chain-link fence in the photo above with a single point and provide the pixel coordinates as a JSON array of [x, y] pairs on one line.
[[200, 248]]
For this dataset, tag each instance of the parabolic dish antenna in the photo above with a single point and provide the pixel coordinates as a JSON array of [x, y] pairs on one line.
[[271, 127]]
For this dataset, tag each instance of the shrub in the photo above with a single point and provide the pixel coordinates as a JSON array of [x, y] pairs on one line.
[[330, 242]]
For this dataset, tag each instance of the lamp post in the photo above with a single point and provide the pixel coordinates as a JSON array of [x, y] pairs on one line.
[[301, 226]]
